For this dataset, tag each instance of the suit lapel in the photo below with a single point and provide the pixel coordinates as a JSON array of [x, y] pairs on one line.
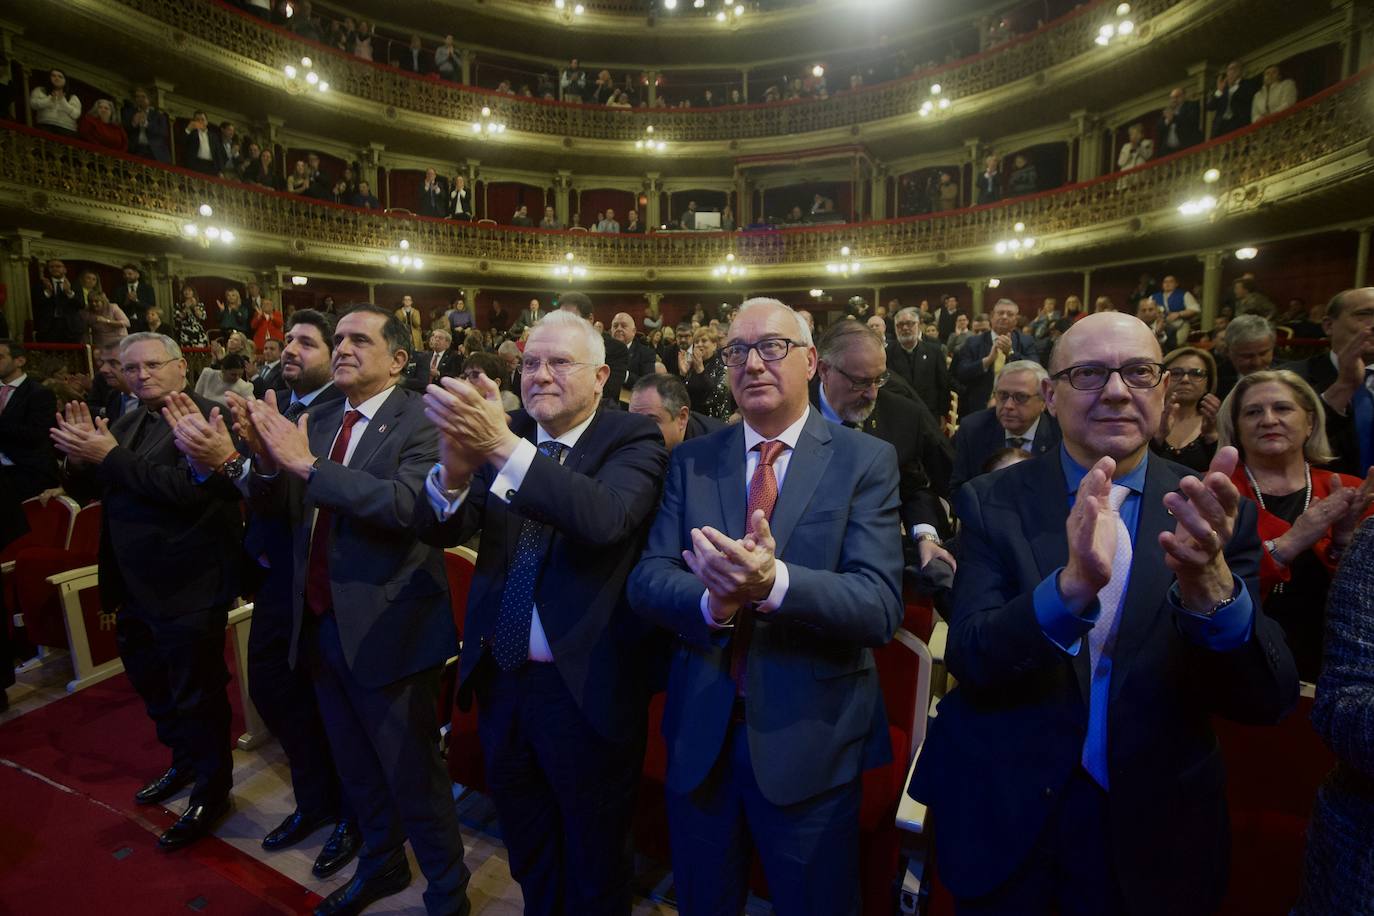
[[1046, 512], [378, 428], [323, 427], [730, 482], [804, 471]]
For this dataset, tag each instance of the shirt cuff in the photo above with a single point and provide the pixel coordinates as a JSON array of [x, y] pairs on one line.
[[781, 579], [923, 528], [1226, 630], [444, 506], [706, 613], [508, 482], [1060, 625]]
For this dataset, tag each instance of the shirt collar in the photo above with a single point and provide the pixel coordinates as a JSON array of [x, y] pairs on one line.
[[1075, 472], [569, 438], [826, 410], [308, 399], [1028, 435], [18, 380], [789, 436], [373, 404]]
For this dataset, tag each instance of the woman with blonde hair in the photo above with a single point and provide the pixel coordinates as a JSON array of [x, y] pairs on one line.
[[106, 321], [708, 383], [1188, 426], [188, 319]]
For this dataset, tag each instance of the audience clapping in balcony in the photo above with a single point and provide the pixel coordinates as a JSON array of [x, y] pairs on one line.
[[1233, 100], [1137, 150], [447, 60], [521, 216], [147, 128], [53, 108], [198, 149], [1180, 124], [1023, 179], [100, 127], [550, 220], [1274, 95], [364, 197]]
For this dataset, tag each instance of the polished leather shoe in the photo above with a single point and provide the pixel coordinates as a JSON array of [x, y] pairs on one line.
[[339, 849], [164, 787], [194, 824], [291, 831], [357, 895]]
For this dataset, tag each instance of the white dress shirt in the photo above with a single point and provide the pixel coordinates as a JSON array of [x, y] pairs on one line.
[[1028, 435], [1273, 99]]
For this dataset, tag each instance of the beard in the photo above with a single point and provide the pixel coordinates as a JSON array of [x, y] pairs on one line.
[[858, 413]]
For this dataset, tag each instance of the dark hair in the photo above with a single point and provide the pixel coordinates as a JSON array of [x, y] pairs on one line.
[[492, 366], [671, 390], [578, 301], [1002, 454], [233, 361], [133, 267], [396, 335], [683, 326], [51, 71], [17, 348]]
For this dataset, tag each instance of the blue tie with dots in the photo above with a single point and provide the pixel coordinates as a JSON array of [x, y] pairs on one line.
[[510, 645]]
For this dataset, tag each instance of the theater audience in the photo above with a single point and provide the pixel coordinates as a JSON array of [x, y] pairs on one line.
[[447, 61], [984, 355], [1273, 95], [198, 149], [1307, 515], [707, 381], [990, 180], [147, 128], [920, 362], [54, 109], [57, 308], [106, 322], [1343, 375], [1170, 333], [1178, 304], [1188, 425], [955, 341], [1024, 179], [1233, 100], [663, 398], [364, 197], [99, 126], [1137, 150], [213, 384], [27, 408], [479, 366], [188, 319], [1016, 420], [1179, 124], [230, 151], [298, 182]]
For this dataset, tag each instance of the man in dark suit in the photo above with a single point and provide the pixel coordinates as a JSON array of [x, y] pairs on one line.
[[460, 202], [269, 375], [983, 355], [1017, 420], [675, 352], [1083, 707], [282, 693], [529, 315], [920, 362], [57, 312], [434, 200], [617, 354], [1180, 125], [169, 571], [415, 59], [641, 360], [135, 297], [1344, 378], [1232, 100], [199, 151], [947, 316], [110, 396], [147, 128], [563, 496], [776, 560], [371, 607], [439, 361], [663, 398], [26, 414]]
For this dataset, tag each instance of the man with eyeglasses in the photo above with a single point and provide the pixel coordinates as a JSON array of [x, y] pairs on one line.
[[562, 494], [983, 355], [1017, 419], [169, 563], [439, 361], [920, 362], [1104, 610], [775, 561]]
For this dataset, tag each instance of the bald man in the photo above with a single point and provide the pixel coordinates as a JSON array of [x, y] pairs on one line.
[[1077, 749], [642, 360]]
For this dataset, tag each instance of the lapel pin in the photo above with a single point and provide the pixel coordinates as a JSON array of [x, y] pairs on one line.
[[382, 428]]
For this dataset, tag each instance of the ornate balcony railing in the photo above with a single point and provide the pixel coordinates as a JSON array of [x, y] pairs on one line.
[[1337, 120], [228, 29]]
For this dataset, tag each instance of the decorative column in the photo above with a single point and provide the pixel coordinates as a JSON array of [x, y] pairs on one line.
[[14, 273], [973, 153], [1211, 286], [1362, 258], [652, 88], [975, 295], [168, 269], [369, 159], [1088, 290], [878, 193], [744, 85], [652, 210], [465, 62], [154, 277], [561, 182], [1089, 132]]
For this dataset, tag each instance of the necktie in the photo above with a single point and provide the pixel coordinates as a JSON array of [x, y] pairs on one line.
[[510, 644], [294, 410], [1362, 406], [1102, 643], [317, 593], [763, 494], [6, 392], [1016, 441], [133, 292], [434, 363]]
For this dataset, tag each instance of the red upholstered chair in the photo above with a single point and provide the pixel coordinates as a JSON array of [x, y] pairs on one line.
[[50, 525], [465, 764], [40, 601]]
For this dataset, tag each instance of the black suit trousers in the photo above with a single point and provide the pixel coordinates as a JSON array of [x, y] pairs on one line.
[[386, 748], [564, 794], [177, 666]]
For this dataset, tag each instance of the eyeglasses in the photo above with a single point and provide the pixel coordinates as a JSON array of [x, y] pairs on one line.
[[770, 350], [1093, 378], [152, 367], [1020, 397], [1181, 373], [558, 365], [863, 384]]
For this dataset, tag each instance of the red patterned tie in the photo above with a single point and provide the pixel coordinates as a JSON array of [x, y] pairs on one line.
[[763, 494], [317, 593]]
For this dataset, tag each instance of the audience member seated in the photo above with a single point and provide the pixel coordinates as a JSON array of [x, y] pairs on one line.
[[984, 355], [477, 366], [1307, 516], [99, 126], [1179, 124], [147, 128], [440, 360], [214, 384], [663, 398], [1233, 99], [1017, 421], [53, 108], [521, 217], [57, 310], [364, 197], [1188, 426], [1178, 304], [1005, 458], [1273, 95], [608, 223]]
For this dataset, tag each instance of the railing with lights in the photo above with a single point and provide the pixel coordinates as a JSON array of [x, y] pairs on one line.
[[1338, 120], [225, 28]]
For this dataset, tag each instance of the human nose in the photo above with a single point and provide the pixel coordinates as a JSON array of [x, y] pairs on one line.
[[753, 362], [1116, 388]]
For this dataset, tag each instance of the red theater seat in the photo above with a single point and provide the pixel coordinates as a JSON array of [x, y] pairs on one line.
[[40, 601], [465, 764]]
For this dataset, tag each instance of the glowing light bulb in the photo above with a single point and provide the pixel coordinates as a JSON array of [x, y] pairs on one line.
[[1211, 176], [936, 89], [1018, 227], [226, 237], [307, 63], [211, 233], [190, 230], [290, 71], [404, 245], [205, 210], [312, 77], [323, 86], [1125, 27]]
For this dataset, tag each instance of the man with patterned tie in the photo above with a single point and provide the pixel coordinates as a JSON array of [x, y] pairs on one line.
[[1104, 609], [983, 355], [372, 617], [776, 560], [562, 496]]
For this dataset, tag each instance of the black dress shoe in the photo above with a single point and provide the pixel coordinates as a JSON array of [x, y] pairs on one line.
[[164, 787], [291, 831], [357, 895], [194, 824], [339, 849]]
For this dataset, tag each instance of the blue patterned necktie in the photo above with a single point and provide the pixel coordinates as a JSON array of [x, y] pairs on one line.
[[510, 644], [294, 410]]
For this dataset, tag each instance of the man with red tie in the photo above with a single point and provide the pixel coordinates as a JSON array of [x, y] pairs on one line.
[[776, 559]]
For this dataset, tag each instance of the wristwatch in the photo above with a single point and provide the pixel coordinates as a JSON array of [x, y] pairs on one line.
[[1177, 596], [232, 469], [927, 536]]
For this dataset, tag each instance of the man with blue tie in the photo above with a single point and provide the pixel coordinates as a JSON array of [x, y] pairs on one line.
[[1017, 419], [776, 559], [1104, 609], [563, 494]]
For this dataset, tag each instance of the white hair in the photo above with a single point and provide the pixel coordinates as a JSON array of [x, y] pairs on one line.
[[171, 346], [560, 320], [1023, 365], [803, 330]]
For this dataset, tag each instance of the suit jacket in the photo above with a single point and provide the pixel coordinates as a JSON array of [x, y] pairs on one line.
[[1010, 736], [190, 149], [925, 370], [977, 381], [641, 362], [389, 590], [989, 187], [414, 325], [434, 201], [417, 370], [24, 426], [57, 317], [168, 545], [420, 63], [143, 299], [1242, 100], [618, 359], [596, 508], [815, 716], [269, 382], [1187, 125], [1320, 372], [698, 424], [980, 436], [528, 318], [157, 132]]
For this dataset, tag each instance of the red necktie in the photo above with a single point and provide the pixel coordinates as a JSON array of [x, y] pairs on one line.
[[434, 365], [763, 494], [318, 598]]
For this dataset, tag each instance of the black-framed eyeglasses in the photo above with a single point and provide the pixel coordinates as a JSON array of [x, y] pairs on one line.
[[1092, 378], [770, 349], [1020, 397], [863, 384], [1182, 373]]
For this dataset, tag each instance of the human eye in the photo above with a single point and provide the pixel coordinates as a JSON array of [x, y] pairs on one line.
[[772, 347], [1140, 372], [1088, 374]]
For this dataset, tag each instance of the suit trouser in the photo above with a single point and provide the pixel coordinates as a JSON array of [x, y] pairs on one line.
[[177, 666], [386, 750], [563, 792], [809, 850], [286, 701]]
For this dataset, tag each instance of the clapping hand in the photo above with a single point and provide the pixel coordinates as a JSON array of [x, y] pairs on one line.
[[735, 573], [205, 442], [1205, 511], [1091, 531], [1209, 407], [83, 439], [287, 443], [1360, 499], [473, 415]]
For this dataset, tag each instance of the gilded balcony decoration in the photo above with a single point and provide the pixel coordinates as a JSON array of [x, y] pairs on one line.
[[1336, 120], [244, 35]]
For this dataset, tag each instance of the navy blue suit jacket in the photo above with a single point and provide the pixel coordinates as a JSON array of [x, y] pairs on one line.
[[980, 436], [977, 381], [1010, 735], [597, 506], [815, 716]]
